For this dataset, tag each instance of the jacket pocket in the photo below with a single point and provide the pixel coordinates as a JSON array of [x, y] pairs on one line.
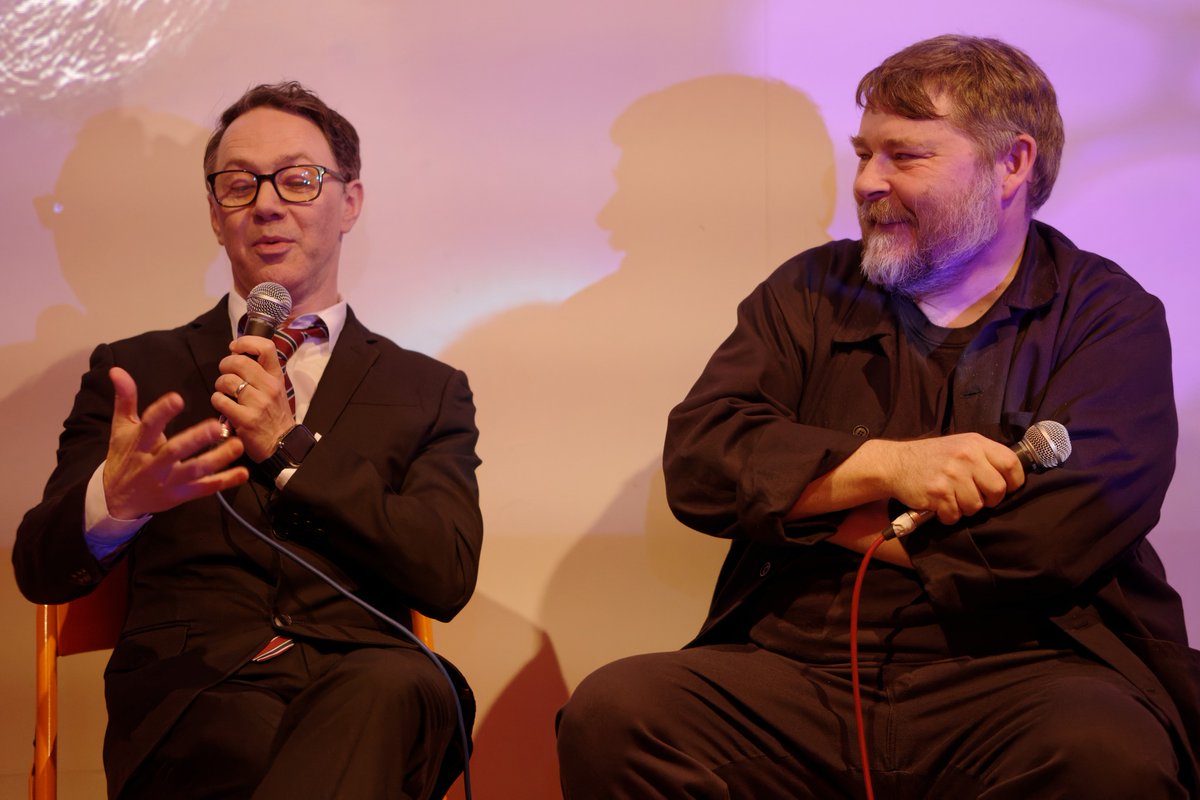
[[141, 647]]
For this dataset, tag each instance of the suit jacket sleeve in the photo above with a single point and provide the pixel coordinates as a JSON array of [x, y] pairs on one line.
[[51, 559]]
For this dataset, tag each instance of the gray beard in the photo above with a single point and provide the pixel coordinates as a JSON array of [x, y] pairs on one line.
[[953, 235]]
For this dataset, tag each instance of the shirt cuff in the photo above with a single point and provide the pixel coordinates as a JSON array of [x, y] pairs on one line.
[[105, 535], [284, 476]]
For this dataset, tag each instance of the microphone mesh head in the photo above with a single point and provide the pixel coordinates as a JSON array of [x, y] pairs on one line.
[[269, 301], [1049, 443]]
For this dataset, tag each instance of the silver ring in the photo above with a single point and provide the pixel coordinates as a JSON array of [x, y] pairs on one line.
[[237, 393]]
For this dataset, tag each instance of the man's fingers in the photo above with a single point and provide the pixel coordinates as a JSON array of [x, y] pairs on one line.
[[212, 461], [155, 419], [196, 439], [124, 395], [259, 349], [1007, 465], [226, 479], [216, 482], [993, 488]]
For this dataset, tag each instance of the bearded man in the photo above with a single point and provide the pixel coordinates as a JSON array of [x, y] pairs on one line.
[[1023, 643]]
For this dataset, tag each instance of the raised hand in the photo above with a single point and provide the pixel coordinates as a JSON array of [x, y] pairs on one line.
[[145, 472]]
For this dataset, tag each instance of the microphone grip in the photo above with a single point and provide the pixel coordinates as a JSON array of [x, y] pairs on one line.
[[910, 520], [259, 326]]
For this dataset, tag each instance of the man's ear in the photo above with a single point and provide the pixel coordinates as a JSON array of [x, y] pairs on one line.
[[352, 204], [1016, 166], [214, 218]]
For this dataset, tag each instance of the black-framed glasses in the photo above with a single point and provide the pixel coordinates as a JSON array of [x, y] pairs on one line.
[[299, 183]]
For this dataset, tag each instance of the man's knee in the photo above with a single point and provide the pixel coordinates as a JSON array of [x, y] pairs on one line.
[[1103, 740], [399, 683], [615, 733], [627, 707], [609, 702]]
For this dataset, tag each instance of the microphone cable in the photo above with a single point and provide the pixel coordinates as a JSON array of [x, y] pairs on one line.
[[363, 604], [267, 307], [855, 597], [1044, 446]]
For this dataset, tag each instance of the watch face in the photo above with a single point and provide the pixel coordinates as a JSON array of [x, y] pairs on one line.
[[295, 444]]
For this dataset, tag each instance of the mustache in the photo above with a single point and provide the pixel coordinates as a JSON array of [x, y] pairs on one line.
[[884, 212]]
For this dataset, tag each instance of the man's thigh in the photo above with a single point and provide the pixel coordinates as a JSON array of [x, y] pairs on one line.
[[715, 721], [1006, 725], [738, 721]]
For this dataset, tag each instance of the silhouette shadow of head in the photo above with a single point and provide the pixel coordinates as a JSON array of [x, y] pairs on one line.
[[129, 221], [720, 178], [131, 232], [728, 163]]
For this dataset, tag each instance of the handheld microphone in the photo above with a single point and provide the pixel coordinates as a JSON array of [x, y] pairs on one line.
[[267, 307], [1044, 446]]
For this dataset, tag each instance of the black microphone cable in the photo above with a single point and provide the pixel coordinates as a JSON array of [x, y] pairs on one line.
[[402, 629]]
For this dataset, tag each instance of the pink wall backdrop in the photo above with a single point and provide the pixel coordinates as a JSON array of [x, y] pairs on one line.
[[565, 200]]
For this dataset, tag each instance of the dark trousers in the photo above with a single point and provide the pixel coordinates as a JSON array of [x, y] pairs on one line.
[[318, 722], [736, 721]]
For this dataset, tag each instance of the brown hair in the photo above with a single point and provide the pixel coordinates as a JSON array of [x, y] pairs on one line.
[[294, 98], [996, 91]]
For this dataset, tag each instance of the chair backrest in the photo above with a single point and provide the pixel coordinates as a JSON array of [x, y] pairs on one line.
[[92, 622]]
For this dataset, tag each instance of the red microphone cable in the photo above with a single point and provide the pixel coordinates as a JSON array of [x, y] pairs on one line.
[[854, 679], [1045, 445]]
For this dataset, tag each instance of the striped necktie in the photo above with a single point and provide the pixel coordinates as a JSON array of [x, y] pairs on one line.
[[287, 342]]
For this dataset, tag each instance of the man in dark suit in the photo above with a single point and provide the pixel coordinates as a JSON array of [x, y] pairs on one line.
[[238, 673]]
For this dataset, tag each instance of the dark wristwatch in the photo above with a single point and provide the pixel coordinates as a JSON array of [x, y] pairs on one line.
[[290, 452]]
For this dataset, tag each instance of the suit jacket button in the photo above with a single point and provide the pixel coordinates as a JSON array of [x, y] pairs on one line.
[[81, 577], [282, 620], [762, 572]]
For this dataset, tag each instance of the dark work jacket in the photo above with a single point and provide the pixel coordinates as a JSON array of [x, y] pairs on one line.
[[811, 369], [386, 503]]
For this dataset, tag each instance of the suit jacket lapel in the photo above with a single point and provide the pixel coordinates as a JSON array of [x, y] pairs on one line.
[[349, 363], [208, 337]]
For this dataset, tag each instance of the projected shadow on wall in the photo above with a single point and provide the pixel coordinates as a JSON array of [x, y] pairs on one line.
[[719, 180], [128, 217], [131, 232]]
